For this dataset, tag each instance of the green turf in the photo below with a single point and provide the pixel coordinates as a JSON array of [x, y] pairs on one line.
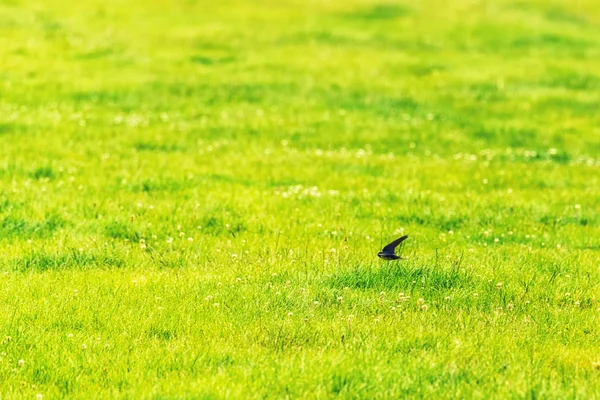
[[192, 196]]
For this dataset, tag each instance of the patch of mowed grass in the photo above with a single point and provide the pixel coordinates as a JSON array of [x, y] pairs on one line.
[[191, 201]]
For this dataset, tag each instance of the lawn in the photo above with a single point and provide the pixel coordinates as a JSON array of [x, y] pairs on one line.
[[193, 194]]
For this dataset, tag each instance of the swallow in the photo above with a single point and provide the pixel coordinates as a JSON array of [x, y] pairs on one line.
[[388, 252]]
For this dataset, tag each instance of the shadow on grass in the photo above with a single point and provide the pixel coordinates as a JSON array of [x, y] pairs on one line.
[[381, 12], [401, 276], [161, 334], [17, 227], [41, 260]]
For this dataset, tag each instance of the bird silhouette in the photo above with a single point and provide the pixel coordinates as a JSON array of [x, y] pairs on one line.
[[388, 252]]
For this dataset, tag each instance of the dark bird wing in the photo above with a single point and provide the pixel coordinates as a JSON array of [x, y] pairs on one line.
[[392, 246]]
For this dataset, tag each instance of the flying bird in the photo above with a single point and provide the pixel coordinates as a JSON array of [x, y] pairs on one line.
[[388, 252]]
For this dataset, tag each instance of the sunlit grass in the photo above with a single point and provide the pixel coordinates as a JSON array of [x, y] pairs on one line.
[[192, 197]]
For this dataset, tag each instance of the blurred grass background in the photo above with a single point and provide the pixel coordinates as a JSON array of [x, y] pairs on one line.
[[192, 196]]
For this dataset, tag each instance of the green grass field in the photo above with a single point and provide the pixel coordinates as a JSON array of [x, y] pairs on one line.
[[192, 197]]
